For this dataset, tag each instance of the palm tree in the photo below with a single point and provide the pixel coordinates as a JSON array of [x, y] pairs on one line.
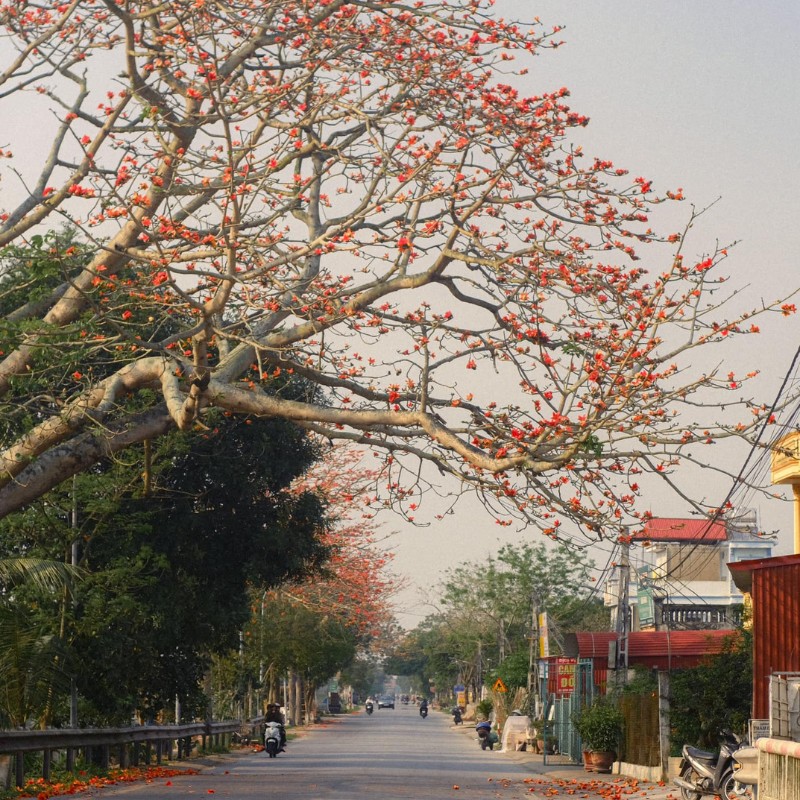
[[31, 657]]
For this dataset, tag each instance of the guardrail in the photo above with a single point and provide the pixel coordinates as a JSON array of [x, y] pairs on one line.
[[133, 744]]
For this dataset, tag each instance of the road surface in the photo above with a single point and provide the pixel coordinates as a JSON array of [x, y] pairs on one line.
[[390, 755]]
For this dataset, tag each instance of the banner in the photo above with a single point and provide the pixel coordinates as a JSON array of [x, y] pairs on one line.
[[544, 640]]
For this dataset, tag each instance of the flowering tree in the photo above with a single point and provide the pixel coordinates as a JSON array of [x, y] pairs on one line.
[[360, 194], [354, 586]]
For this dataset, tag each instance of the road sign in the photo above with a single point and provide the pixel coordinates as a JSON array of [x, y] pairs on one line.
[[499, 686]]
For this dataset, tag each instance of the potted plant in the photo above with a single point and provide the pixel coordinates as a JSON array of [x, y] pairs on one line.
[[600, 727]]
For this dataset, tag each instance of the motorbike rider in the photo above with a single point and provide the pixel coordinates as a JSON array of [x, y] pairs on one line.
[[370, 704], [423, 707], [274, 715]]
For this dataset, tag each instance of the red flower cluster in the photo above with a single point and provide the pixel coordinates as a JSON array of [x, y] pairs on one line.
[[42, 790]]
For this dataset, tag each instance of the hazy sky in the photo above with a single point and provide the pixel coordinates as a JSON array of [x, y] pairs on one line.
[[699, 94]]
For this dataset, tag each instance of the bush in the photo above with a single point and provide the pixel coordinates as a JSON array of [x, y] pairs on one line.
[[725, 682], [484, 709]]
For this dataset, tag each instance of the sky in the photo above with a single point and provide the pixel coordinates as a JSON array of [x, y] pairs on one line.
[[699, 95]]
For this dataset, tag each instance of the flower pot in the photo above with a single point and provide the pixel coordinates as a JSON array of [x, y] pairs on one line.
[[587, 761], [602, 760]]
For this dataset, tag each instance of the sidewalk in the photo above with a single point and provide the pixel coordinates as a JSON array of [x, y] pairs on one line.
[[574, 780]]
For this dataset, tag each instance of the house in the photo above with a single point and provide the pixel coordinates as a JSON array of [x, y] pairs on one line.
[[678, 572]]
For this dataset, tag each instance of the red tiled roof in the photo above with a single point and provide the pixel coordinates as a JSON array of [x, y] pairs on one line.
[[675, 529], [651, 648]]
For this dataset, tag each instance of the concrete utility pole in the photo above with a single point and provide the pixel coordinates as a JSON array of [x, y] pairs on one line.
[[534, 698], [623, 616], [663, 721], [74, 559]]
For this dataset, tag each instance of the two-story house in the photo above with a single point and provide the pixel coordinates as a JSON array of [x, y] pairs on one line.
[[679, 578]]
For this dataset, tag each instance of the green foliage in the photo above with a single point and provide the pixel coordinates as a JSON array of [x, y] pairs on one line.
[[29, 666], [483, 631], [167, 574], [363, 674], [600, 724], [513, 671], [483, 709], [713, 696], [314, 644], [644, 681]]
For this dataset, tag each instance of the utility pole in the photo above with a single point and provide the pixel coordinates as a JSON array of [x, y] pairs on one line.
[[623, 615], [74, 559], [534, 698], [479, 673]]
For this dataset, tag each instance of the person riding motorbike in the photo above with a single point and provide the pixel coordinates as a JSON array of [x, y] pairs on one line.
[[423, 708], [274, 715]]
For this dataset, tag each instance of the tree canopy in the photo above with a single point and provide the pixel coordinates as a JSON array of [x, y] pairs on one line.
[[365, 195], [166, 574]]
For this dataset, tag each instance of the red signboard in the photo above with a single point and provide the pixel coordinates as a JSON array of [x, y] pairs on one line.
[[565, 676]]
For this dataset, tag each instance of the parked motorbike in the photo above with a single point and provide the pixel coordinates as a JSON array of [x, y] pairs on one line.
[[703, 773], [486, 736], [369, 706], [423, 711], [457, 715], [272, 739]]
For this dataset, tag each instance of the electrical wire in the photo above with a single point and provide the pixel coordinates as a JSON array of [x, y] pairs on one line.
[[754, 445]]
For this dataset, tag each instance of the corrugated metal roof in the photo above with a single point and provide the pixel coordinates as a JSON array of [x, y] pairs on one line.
[[742, 571], [774, 586], [676, 529], [663, 649]]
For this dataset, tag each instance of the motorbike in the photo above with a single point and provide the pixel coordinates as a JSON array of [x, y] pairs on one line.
[[423, 711], [272, 739], [486, 736], [704, 773], [457, 716], [369, 706]]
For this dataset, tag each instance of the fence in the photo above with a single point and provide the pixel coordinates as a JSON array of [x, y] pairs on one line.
[[641, 743], [778, 769], [132, 744]]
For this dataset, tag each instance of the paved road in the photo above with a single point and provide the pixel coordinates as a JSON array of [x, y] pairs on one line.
[[392, 755]]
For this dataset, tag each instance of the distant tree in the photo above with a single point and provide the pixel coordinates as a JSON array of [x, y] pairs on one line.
[[363, 675], [355, 584], [483, 629], [501, 594]]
